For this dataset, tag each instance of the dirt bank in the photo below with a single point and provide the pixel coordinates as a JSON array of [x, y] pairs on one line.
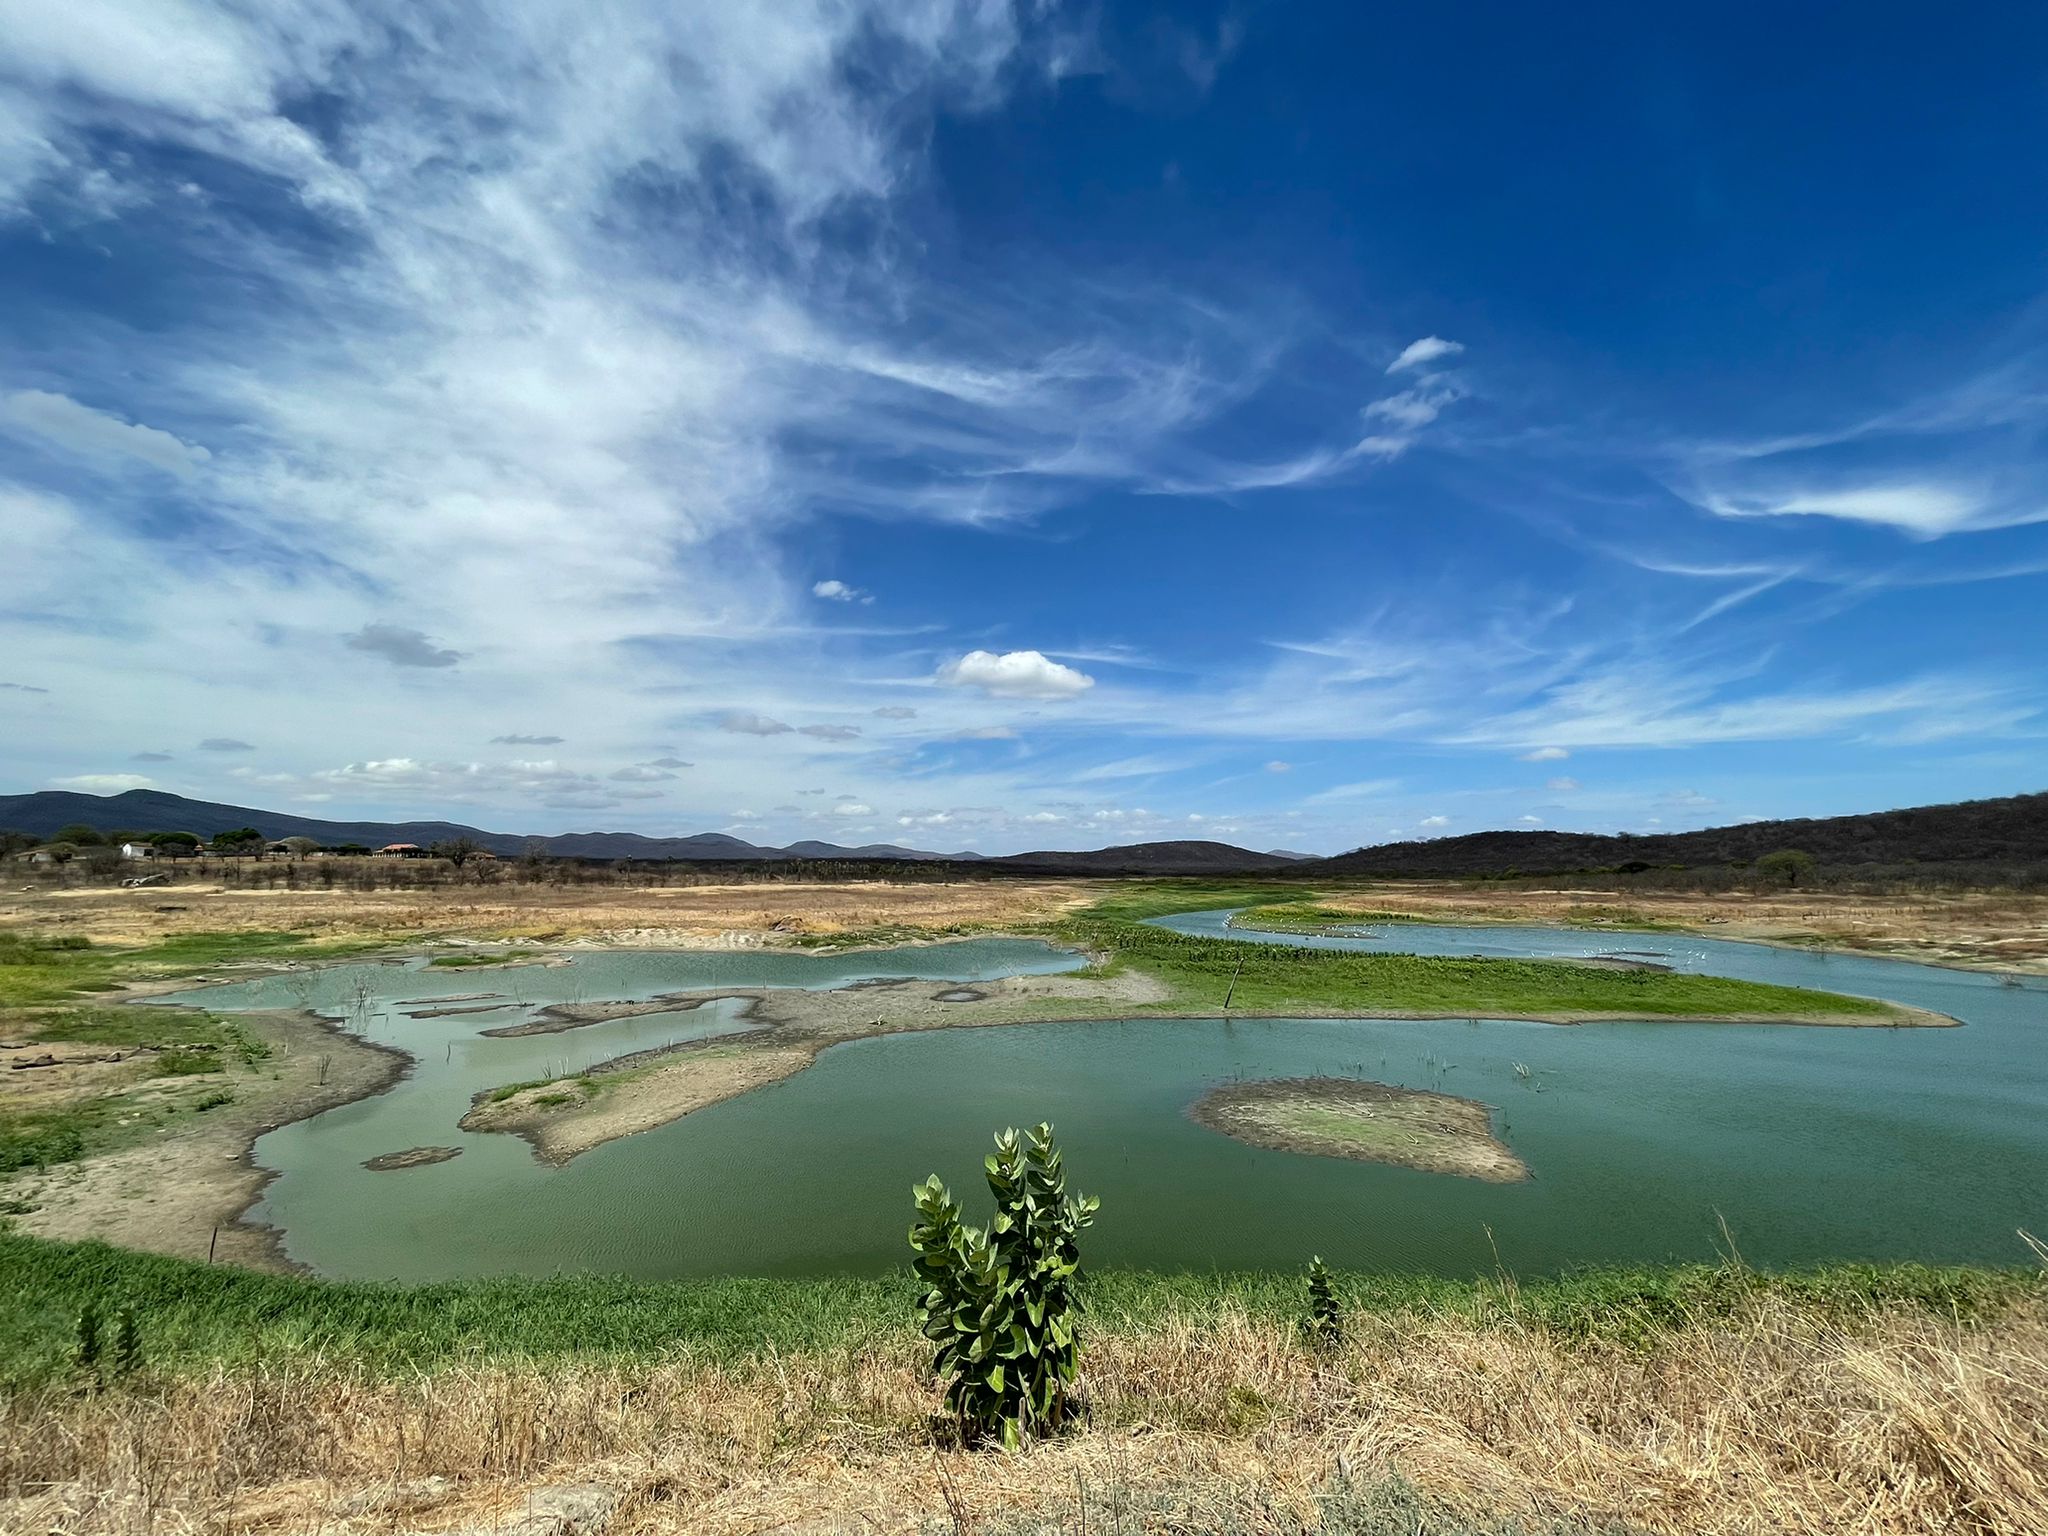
[[185, 1191]]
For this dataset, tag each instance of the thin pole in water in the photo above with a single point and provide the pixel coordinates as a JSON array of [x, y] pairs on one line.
[[1232, 992]]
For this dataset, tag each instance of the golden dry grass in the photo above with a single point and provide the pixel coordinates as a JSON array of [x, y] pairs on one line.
[[621, 913], [1773, 1422]]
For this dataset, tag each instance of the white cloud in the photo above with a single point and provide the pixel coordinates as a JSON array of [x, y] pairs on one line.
[[1546, 755], [640, 774], [104, 783], [517, 740], [1562, 786], [1924, 510], [1015, 675], [830, 732], [984, 733], [225, 744], [98, 435], [1431, 823], [895, 712], [1428, 350], [1530, 821], [853, 808], [840, 592], [1276, 766]]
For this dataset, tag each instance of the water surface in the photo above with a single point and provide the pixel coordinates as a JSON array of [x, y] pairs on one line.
[[1812, 1144]]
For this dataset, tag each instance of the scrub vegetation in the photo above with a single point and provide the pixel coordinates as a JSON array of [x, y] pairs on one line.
[[1369, 1122], [1879, 1401]]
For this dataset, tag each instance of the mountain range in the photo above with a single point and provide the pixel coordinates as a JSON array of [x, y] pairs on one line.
[[2009, 832]]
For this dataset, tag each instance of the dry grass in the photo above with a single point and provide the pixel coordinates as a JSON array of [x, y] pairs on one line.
[[1772, 1422], [655, 915]]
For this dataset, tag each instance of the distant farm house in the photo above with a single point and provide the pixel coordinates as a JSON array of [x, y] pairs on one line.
[[138, 850], [404, 850]]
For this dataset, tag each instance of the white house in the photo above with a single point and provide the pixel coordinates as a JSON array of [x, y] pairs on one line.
[[138, 850]]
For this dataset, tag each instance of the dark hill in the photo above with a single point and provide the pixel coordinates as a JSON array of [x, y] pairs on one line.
[[2008, 833], [151, 810], [1185, 858]]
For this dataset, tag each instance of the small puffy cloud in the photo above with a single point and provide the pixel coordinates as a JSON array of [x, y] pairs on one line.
[[1015, 675], [666, 762], [1418, 354], [1530, 821], [105, 783], [1546, 755], [985, 733], [853, 808], [641, 775], [224, 744], [399, 646], [1561, 785], [99, 435], [1432, 823], [746, 723], [21, 688], [895, 712], [840, 592], [1276, 766], [517, 740], [830, 732], [150, 757]]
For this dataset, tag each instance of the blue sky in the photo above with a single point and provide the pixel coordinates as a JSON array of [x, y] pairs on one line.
[[996, 427]]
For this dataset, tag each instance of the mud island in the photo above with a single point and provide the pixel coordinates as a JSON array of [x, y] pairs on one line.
[[1366, 1122]]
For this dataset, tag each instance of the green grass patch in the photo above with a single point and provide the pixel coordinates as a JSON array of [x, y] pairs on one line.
[[35, 969], [196, 1316], [1133, 900], [185, 1062], [1288, 978]]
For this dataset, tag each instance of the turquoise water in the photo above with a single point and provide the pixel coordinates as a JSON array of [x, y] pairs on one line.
[[1812, 1144]]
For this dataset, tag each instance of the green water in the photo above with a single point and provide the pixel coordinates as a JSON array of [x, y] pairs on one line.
[[1812, 1144]]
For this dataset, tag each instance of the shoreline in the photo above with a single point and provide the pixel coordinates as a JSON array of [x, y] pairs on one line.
[[791, 1027], [203, 1180], [793, 1024]]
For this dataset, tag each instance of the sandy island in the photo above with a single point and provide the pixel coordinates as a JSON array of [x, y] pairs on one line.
[[1366, 1122]]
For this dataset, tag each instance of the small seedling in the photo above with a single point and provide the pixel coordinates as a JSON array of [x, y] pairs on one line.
[[1325, 1323]]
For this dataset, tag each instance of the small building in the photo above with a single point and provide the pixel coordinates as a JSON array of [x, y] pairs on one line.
[[138, 850], [404, 850]]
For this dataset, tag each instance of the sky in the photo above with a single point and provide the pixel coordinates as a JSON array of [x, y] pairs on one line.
[[995, 426]]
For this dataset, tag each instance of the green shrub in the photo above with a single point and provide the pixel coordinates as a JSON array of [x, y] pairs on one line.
[[1325, 1316], [1000, 1307]]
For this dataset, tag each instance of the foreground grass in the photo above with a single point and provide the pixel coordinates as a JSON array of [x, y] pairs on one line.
[[196, 1317], [1883, 1402], [1287, 978]]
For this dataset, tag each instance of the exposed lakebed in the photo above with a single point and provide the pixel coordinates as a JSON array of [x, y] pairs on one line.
[[1813, 1144]]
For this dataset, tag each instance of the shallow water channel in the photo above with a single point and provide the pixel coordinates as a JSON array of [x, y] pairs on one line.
[[1813, 1144]]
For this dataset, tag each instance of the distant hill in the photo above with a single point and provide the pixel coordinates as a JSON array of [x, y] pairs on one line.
[[1184, 858], [2012, 832], [150, 810]]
